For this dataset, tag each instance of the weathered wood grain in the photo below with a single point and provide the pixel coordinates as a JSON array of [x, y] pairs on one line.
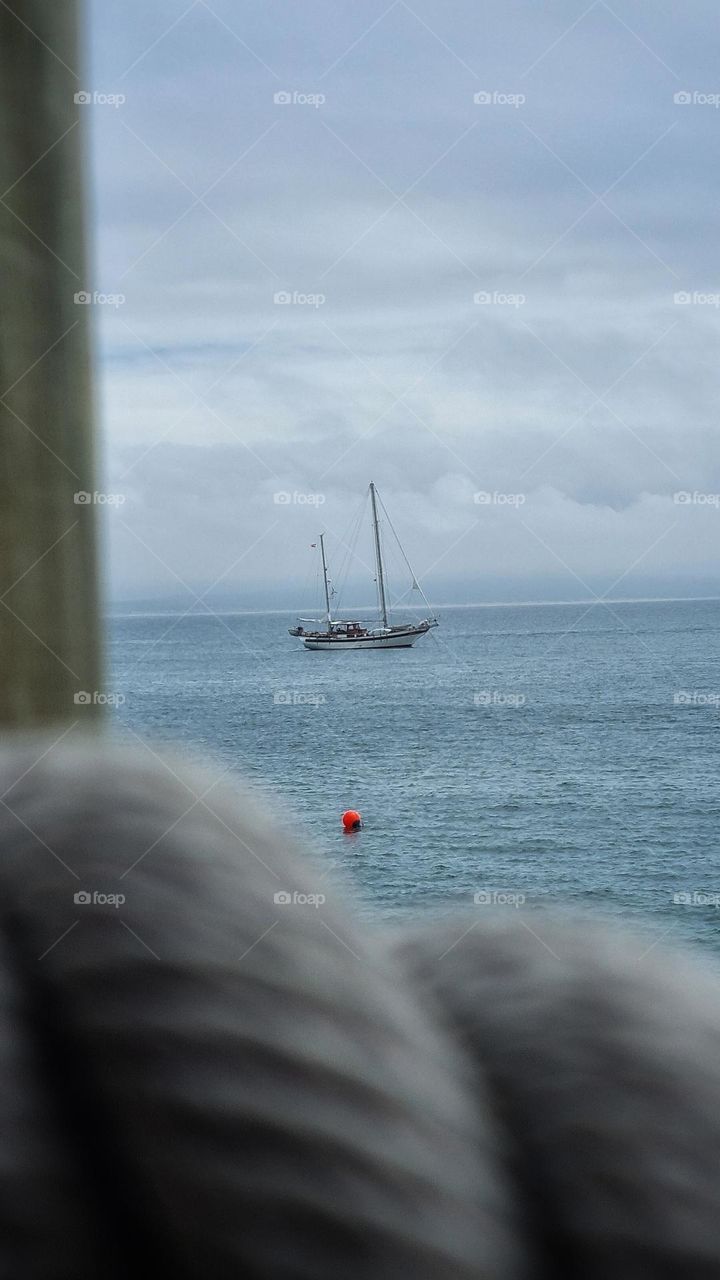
[[48, 596]]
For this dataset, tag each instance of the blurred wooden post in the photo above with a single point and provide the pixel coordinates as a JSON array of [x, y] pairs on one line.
[[48, 600]]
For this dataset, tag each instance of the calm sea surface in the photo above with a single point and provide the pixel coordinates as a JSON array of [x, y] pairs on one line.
[[565, 754]]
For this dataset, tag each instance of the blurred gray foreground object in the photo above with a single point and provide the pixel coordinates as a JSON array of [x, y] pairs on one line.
[[203, 1076]]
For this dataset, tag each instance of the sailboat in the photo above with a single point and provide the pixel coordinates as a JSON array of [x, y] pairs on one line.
[[337, 633]]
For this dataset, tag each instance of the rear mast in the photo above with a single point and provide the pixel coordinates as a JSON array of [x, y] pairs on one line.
[[325, 579]]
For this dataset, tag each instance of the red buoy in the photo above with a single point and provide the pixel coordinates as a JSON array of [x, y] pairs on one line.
[[351, 820]]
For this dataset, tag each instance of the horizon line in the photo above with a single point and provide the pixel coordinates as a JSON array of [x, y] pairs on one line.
[[112, 610]]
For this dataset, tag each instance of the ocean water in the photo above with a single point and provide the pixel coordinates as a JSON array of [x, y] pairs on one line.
[[559, 755]]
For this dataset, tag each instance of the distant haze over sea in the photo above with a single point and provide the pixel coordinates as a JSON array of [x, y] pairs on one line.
[[483, 591]]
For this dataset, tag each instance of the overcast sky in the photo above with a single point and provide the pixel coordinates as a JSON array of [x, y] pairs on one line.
[[383, 198]]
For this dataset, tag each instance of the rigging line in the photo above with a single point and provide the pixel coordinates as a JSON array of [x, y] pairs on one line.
[[427, 603], [350, 546], [356, 517], [352, 549], [345, 542], [415, 585], [402, 553]]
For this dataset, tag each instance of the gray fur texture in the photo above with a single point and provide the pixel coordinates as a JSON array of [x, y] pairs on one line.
[[204, 1080], [601, 1055]]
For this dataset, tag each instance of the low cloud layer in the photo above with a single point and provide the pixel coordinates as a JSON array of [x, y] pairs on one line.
[[385, 279]]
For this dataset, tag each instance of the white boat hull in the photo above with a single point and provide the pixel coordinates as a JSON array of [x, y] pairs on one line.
[[396, 640]]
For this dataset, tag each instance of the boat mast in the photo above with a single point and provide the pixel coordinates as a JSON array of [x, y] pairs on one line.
[[325, 576], [378, 558]]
